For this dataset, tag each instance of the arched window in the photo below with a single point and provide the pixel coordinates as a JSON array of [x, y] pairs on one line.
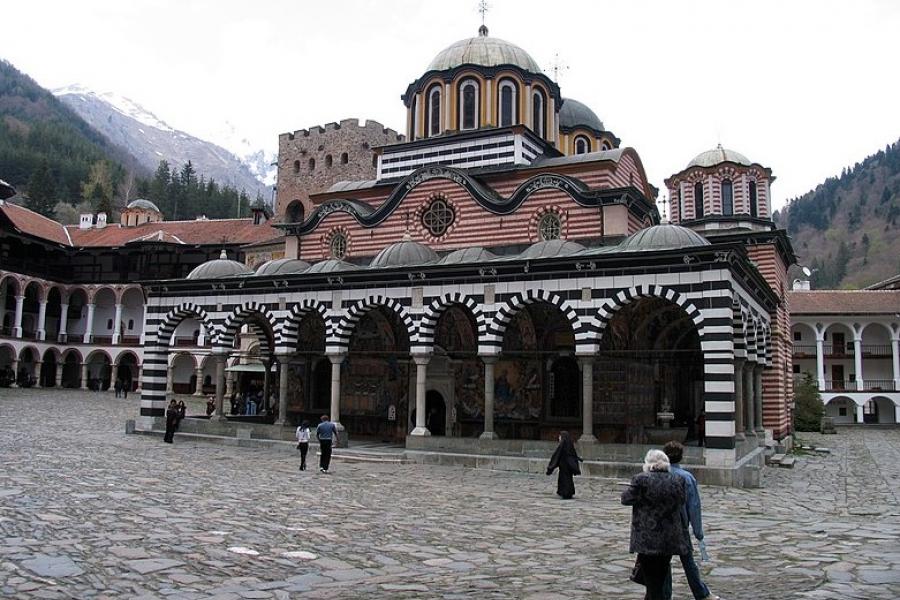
[[434, 111], [312, 164], [538, 114], [468, 104], [754, 209], [605, 146], [338, 246], [727, 197], [345, 158], [328, 160], [582, 145], [414, 107], [698, 200], [294, 212], [509, 93], [375, 161], [130, 323], [296, 166]]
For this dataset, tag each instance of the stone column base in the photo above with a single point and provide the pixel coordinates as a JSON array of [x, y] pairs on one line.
[[420, 431], [488, 435]]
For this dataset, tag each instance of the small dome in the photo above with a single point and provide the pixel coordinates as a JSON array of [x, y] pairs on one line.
[[718, 155], [144, 204], [468, 255], [330, 266], [574, 114], [551, 249], [404, 253], [662, 237], [483, 51], [219, 268], [282, 266]]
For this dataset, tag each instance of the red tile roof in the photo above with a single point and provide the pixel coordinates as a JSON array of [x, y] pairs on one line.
[[34, 224], [830, 302], [212, 231]]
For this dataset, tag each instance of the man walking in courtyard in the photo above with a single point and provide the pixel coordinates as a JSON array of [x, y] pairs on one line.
[[675, 451], [327, 434]]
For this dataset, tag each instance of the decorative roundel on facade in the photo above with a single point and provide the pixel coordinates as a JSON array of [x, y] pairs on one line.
[[550, 227], [438, 216]]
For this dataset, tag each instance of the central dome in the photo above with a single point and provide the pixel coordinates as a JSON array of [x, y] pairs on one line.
[[483, 51]]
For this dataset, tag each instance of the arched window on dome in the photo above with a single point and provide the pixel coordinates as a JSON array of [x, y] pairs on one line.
[[698, 200], [582, 145], [538, 113], [605, 146], [754, 208], [434, 111], [468, 104], [414, 117], [727, 197], [509, 101]]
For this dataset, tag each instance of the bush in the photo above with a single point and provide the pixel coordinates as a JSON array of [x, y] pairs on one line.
[[808, 407]]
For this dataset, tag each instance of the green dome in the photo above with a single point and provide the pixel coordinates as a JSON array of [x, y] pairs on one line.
[[717, 155], [483, 51], [574, 114]]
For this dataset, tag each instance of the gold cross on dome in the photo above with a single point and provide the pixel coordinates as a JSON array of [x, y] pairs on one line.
[[557, 67], [483, 7]]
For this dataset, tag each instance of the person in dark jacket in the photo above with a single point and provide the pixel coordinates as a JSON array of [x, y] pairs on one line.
[[171, 421], [566, 460], [659, 526]]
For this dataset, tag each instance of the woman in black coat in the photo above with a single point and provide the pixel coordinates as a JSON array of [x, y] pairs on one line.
[[566, 460], [171, 421], [658, 523]]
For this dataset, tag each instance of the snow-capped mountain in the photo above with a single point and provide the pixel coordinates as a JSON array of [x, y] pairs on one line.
[[256, 156], [150, 139]]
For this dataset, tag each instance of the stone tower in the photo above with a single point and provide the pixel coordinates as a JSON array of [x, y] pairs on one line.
[[312, 160]]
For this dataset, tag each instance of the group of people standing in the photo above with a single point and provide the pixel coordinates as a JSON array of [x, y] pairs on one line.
[[665, 503]]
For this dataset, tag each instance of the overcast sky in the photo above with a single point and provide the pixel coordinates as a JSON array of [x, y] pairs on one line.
[[803, 87]]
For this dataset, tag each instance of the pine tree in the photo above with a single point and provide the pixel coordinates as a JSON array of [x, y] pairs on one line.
[[41, 190], [808, 407]]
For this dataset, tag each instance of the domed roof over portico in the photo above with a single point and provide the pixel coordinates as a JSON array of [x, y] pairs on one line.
[[331, 265], [717, 155], [282, 266], [551, 249], [484, 51], [662, 237], [219, 268], [404, 253]]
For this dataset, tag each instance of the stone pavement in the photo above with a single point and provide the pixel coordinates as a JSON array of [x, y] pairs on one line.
[[88, 512]]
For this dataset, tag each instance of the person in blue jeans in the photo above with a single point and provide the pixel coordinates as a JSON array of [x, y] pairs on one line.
[[675, 451], [327, 434]]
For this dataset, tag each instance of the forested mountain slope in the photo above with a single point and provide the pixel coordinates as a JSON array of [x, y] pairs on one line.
[[847, 230]]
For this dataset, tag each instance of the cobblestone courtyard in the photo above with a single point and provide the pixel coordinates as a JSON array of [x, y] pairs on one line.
[[89, 512]]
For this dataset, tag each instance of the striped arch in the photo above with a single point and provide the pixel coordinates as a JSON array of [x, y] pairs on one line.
[[289, 328], [425, 335], [339, 340], [502, 318], [174, 317], [253, 315], [625, 297], [753, 339]]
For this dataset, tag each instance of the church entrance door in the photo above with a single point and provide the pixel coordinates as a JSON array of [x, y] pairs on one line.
[[435, 413]]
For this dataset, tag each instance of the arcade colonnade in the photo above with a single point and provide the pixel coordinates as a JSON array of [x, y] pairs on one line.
[[734, 337], [70, 335]]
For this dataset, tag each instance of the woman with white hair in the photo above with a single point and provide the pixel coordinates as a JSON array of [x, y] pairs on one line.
[[658, 526]]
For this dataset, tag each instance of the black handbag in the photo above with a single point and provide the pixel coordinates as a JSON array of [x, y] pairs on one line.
[[637, 573]]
